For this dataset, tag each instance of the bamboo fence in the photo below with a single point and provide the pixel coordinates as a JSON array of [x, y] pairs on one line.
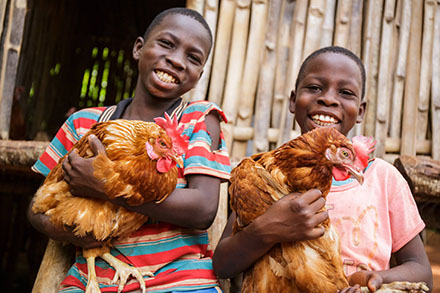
[[261, 44]]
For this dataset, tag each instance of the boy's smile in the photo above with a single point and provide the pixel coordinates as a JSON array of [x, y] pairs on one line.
[[171, 59], [329, 94]]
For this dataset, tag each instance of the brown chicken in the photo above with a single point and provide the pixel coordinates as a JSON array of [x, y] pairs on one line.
[[257, 182], [139, 166]]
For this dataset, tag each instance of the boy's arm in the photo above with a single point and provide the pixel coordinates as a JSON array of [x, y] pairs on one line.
[[293, 218], [199, 199], [412, 266]]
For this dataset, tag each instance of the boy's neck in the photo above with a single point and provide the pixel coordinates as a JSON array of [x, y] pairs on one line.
[[147, 110]]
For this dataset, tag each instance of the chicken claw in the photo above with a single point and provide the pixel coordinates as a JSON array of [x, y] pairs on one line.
[[399, 287], [92, 283], [123, 271]]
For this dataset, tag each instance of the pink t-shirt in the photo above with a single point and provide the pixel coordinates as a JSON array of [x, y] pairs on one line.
[[375, 219]]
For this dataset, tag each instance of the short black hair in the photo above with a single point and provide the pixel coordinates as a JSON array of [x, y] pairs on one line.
[[182, 11], [336, 50]]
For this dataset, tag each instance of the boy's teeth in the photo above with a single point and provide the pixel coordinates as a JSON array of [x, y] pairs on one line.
[[324, 120], [165, 77]]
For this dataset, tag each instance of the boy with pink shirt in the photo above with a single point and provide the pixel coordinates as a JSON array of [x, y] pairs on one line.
[[375, 220]]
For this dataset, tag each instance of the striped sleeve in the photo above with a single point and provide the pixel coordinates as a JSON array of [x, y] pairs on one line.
[[70, 132], [199, 159]]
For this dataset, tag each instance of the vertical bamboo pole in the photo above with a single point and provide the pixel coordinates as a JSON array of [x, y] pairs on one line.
[[236, 63], [283, 49], [2, 14], [355, 33], [328, 25], [425, 69], [383, 92], [315, 19], [371, 60], [435, 89], [252, 63], [211, 10], [342, 29], [10, 57], [400, 72], [267, 79], [295, 59], [221, 51], [411, 98], [197, 5]]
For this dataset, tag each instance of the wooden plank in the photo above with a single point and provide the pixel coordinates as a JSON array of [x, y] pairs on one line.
[[211, 14], [267, 80], [400, 71], [355, 33], [328, 25], [383, 92], [252, 64], [411, 97], [283, 49], [435, 88], [11, 54], [295, 60], [342, 27], [315, 19], [221, 51], [425, 69], [20, 153]]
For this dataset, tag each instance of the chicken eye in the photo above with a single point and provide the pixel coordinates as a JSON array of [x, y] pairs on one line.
[[344, 153], [162, 144]]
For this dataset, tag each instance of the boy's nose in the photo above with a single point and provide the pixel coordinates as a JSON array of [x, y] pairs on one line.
[[328, 98], [176, 58]]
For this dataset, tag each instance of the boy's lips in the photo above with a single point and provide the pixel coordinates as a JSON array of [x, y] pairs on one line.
[[166, 77], [324, 120]]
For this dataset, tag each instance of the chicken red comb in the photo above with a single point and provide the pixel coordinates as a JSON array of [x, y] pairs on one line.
[[363, 146], [180, 144]]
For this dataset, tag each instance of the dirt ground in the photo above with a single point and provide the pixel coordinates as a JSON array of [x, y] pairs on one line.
[[432, 246]]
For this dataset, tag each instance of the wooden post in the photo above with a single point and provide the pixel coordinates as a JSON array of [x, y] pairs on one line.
[[251, 70], [211, 13], [400, 71], [328, 26], [355, 33], [236, 62], [411, 98], [425, 69], [370, 59], [221, 51], [315, 19], [267, 79], [295, 59], [13, 32], [383, 92], [435, 89], [342, 28], [283, 49]]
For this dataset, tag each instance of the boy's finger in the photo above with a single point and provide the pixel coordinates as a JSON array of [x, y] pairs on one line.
[[96, 145], [311, 195]]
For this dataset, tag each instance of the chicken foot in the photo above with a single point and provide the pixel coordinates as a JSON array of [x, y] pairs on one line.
[[92, 282], [123, 271], [399, 287]]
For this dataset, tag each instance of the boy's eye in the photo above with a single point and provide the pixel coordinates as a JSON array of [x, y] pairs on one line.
[[195, 58], [165, 43], [313, 87], [347, 92]]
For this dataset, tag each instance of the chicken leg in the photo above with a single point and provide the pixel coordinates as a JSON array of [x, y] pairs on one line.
[[123, 270]]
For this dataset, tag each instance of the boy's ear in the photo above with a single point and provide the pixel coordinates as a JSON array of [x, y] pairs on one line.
[[361, 113], [137, 47], [292, 102]]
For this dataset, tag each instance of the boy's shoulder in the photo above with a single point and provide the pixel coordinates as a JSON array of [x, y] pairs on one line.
[[202, 108], [87, 113]]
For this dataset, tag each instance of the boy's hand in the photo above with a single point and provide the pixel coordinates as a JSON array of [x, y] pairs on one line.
[[363, 278], [78, 172], [295, 217]]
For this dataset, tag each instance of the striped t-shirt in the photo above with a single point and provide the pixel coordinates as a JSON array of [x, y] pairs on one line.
[[179, 257]]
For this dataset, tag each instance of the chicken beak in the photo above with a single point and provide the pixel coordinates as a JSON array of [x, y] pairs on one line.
[[178, 160], [356, 173]]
